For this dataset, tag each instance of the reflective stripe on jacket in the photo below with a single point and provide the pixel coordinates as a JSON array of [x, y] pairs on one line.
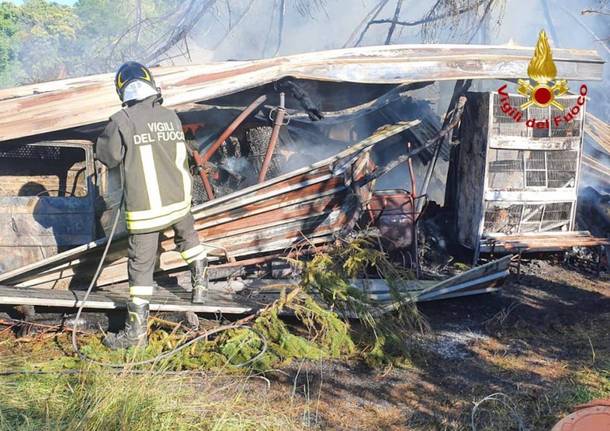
[[149, 140]]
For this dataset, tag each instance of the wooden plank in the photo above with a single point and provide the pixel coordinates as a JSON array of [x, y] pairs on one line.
[[599, 130], [543, 243], [101, 301]]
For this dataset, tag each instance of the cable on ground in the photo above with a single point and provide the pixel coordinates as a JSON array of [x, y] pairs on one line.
[[163, 355], [502, 399]]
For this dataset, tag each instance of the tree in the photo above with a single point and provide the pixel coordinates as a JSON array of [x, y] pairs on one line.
[[113, 32], [102, 22], [46, 34], [453, 19], [9, 25]]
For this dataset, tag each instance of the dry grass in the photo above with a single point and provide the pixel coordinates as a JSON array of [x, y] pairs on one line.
[[543, 384], [544, 365], [101, 401], [553, 369]]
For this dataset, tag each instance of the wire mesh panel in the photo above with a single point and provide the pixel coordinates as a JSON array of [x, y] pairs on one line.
[[561, 123], [556, 216], [505, 170], [535, 169], [531, 216], [560, 126], [505, 125], [502, 218], [515, 218], [47, 152], [43, 170]]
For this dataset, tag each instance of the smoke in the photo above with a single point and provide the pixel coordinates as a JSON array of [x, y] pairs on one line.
[[251, 29], [330, 26]]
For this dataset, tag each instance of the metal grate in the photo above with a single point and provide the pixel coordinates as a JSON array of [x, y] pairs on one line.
[[43, 170], [511, 219], [523, 169], [505, 125], [564, 128], [502, 218], [33, 152]]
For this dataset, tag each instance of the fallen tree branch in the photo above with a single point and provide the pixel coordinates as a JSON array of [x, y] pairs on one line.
[[234, 26], [375, 12], [191, 16], [280, 30], [429, 18], [388, 39]]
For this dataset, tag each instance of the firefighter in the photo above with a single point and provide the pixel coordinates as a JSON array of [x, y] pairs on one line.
[[147, 139]]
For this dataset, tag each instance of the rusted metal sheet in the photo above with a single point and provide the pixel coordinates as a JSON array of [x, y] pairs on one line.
[[223, 299], [46, 201], [307, 205], [59, 105]]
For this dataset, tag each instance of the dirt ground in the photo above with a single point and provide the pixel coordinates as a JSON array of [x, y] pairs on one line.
[[543, 342]]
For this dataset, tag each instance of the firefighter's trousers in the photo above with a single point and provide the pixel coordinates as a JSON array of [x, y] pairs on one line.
[[142, 254]]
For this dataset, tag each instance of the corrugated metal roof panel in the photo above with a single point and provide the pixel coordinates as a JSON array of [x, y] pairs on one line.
[[42, 108]]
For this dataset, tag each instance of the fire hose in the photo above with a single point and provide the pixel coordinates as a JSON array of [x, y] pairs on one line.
[[200, 163], [164, 355]]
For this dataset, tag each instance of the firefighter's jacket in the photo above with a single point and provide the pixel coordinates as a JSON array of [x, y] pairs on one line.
[[149, 140]]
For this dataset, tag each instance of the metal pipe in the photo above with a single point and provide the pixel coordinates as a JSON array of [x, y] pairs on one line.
[[277, 124], [414, 213], [266, 259], [200, 161], [203, 174], [411, 173], [429, 171], [234, 125]]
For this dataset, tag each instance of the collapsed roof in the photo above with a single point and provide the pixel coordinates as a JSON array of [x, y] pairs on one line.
[[41, 108]]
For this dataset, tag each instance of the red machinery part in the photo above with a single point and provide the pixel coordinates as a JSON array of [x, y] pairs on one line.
[[393, 212], [594, 416]]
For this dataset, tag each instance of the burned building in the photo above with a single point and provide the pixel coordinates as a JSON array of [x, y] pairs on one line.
[[342, 120]]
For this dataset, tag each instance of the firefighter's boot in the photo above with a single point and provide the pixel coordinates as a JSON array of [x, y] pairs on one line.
[[199, 280], [135, 332]]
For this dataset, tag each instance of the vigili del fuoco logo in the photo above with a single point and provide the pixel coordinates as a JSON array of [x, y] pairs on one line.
[[542, 89]]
